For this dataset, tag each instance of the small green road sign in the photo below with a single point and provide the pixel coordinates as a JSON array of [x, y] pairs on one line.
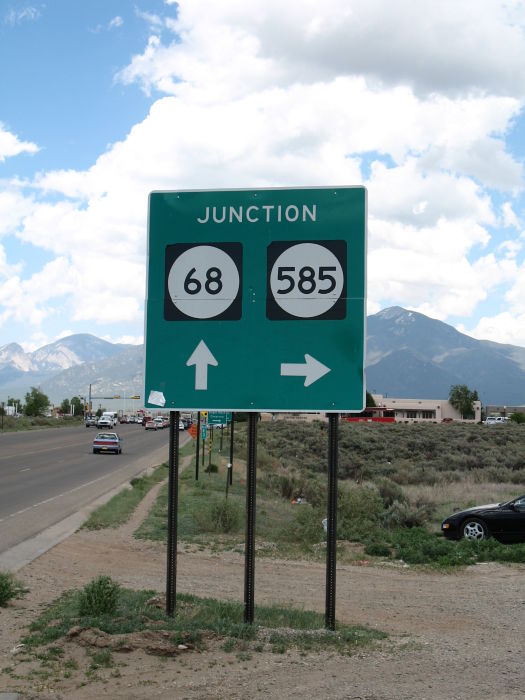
[[256, 300], [219, 418]]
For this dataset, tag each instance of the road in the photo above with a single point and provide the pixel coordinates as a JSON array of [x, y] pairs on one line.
[[47, 475]]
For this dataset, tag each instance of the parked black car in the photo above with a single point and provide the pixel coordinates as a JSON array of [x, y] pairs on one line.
[[503, 521]]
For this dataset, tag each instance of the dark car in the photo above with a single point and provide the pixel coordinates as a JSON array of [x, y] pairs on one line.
[[107, 442], [503, 521]]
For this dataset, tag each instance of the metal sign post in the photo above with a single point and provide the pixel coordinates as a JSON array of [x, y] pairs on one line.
[[249, 547], [173, 496], [279, 275], [197, 447], [331, 535]]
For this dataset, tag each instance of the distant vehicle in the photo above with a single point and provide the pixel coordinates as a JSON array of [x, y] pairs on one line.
[[150, 424], [503, 521], [496, 420], [104, 422], [181, 425], [112, 415], [161, 422], [107, 442], [91, 421], [124, 419]]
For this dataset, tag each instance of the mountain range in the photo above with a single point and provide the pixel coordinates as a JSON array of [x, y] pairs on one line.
[[409, 355]]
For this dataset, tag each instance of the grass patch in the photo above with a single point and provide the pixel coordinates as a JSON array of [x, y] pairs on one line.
[[119, 508], [9, 588], [278, 629], [13, 425]]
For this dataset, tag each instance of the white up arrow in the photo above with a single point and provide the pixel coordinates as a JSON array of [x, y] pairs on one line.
[[312, 370], [201, 357]]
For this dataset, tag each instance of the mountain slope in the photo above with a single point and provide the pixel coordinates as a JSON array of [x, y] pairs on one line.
[[409, 355], [413, 356]]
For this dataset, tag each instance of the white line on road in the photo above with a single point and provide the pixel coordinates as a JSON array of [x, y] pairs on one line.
[[59, 495]]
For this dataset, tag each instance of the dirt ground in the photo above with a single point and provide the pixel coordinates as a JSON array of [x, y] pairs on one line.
[[459, 635]]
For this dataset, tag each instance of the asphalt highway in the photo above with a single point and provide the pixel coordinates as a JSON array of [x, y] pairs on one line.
[[47, 475]]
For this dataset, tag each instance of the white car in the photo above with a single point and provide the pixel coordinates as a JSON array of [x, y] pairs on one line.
[[104, 422]]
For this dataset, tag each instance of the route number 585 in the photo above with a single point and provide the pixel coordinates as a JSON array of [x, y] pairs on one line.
[[307, 280]]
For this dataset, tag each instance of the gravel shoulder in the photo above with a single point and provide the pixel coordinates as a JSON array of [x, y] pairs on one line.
[[457, 635]]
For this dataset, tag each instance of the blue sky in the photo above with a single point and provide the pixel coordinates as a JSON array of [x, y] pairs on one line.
[[102, 102]]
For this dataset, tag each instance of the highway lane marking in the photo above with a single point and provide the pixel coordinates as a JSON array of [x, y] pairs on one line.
[[27, 469], [66, 493], [35, 452], [59, 495]]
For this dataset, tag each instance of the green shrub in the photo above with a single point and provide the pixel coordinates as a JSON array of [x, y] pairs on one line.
[[359, 511], [389, 491], [378, 549], [9, 589], [221, 515], [306, 526], [417, 546], [405, 514], [99, 597]]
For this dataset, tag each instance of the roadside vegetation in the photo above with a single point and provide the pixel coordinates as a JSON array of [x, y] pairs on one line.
[[10, 588], [119, 508], [107, 619], [396, 484], [10, 424]]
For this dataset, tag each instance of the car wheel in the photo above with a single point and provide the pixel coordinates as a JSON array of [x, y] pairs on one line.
[[474, 530]]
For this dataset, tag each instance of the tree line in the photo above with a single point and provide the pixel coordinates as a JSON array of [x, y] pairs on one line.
[[37, 404]]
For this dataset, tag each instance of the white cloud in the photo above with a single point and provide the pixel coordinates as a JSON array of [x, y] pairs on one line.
[[115, 22], [509, 217], [414, 98], [433, 46], [502, 328], [10, 145], [25, 14]]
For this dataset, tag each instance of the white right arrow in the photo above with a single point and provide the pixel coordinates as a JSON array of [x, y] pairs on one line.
[[201, 357], [312, 370]]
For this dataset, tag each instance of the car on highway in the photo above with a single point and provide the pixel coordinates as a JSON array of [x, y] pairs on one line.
[[104, 422], [181, 425], [91, 421], [503, 521], [107, 442], [161, 422], [151, 425]]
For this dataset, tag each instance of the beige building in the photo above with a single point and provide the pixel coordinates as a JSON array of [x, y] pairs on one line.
[[424, 410], [390, 410]]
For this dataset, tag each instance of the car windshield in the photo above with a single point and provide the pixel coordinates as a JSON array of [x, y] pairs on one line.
[[520, 500]]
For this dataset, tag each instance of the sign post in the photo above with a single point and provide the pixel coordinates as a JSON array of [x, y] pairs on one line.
[[256, 302]]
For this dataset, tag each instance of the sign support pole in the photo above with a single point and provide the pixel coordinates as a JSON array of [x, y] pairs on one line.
[[331, 538], [230, 466], [173, 494], [198, 446], [249, 547]]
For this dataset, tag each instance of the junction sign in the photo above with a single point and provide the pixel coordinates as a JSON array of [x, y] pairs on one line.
[[256, 300]]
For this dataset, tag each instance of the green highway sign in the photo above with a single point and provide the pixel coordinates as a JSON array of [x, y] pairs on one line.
[[256, 299], [219, 418]]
